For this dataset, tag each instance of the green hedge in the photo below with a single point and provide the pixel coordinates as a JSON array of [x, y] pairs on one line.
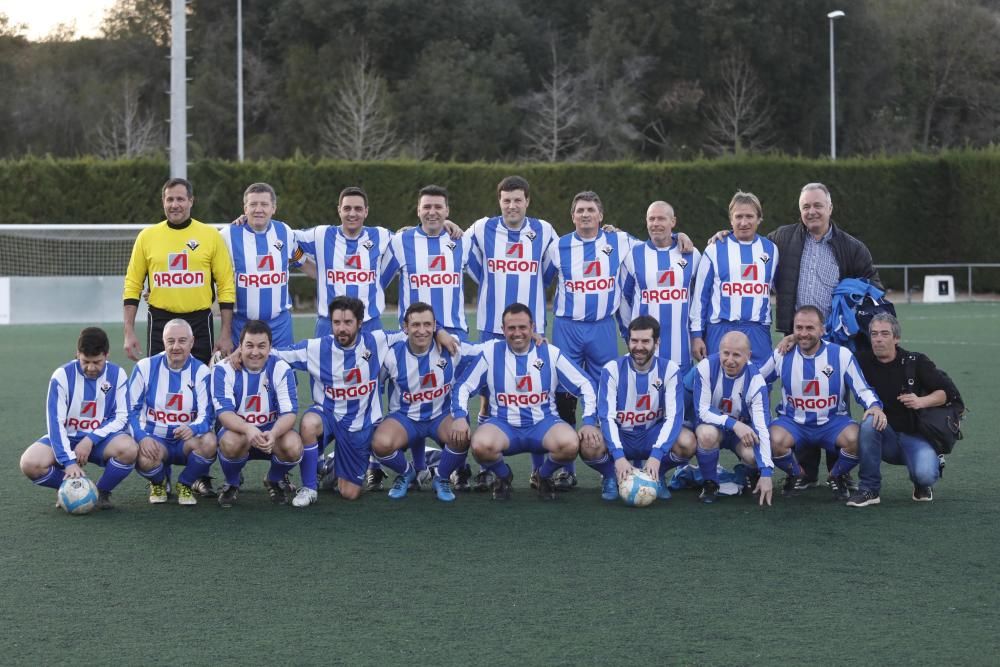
[[912, 209]]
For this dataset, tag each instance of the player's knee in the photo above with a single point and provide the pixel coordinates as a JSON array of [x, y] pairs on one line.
[[708, 436], [289, 447], [383, 444], [485, 449], [848, 440], [591, 452], [347, 490], [124, 449], [311, 427], [232, 445], [30, 465], [206, 446], [686, 444]]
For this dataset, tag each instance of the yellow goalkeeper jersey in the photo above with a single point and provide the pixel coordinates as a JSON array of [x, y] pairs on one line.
[[181, 263]]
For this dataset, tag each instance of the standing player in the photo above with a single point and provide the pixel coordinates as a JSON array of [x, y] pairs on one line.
[[86, 416], [522, 378], [731, 401], [256, 407], [261, 251], [815, 377], [734, 283], [171, 414], [186, 264], [641, 405]]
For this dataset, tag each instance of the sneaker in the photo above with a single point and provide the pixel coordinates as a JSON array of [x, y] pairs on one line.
[[402, 484], [286, 485], [103, 500], [791, 487], [460, 478], [185, 494], [424, 479], [546, 488], [484, 481], [839, 488], [922, 494], [533, 480], [941, 464], [709, 492], [203, 487], [564, 480], [863, 498], [373, 479], [276, 492], [157, 493], [305, 497], [609, 489], [502, 487], [662, 491], [752, 478], [442, 487], [802, 483], [852, 485], [228, 495]]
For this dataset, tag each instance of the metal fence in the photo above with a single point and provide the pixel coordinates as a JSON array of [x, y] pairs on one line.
[[906, 274]]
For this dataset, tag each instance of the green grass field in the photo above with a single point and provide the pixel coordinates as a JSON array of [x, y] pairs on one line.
[[573, 582]]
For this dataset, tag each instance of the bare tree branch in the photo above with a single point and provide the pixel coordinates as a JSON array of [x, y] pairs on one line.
[[552, 130], [739, 116], [128, 132]]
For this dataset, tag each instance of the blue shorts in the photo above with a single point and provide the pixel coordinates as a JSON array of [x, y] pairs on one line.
[[281, 329], [353, 448], [759, 335], [525, 438], [638, 445], [824, 436], [96, 453], [417, 431], [324, 327], [254, 454], [174, 447], [589, 345]]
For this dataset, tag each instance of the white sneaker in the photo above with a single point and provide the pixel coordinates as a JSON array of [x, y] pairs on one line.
[[305, 497]]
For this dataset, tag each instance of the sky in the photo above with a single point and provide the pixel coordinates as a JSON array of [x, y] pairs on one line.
[[41, 16]]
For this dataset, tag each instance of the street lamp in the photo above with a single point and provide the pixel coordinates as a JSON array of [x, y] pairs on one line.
[[833, 16], [239, 80]]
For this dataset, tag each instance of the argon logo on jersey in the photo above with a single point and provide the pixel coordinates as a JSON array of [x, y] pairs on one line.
[[355, 387], [726, 405], [513, 261], [352, 274], [748, 285], [177, 274], [593, 285], [173, 412], [665, 291], [523, 395], [87, 409], [642, 415], [252, 413], [748, 272], [265, 276], [429, 390], [428, 380], [437, 275], [811, 398]]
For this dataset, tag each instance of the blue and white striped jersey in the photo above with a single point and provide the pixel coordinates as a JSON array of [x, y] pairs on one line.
[[734, 283], [814, 388], [721, 401], [77, 406], [659, 282], [588, 274], [261, 261], [347, 267], [430, 270], [634, 401], [161, 399], [507, 265], [345, 381], [419, 386], [258, 397]]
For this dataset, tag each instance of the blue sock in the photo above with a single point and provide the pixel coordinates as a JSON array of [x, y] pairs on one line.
[[307, 468], [373, 463], [114, 472], [396, 461], [197, 466], [548, 467], [419, 453], [450, 462], [498, 467], [537, 460], [53, 478], [231, 468], [708, 464], [570, 467], [788, 464], [604, 465], [669, 462], [845, 464], [156, 475], [280, 468]]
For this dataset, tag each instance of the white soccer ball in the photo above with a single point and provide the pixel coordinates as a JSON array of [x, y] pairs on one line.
[[77, 495], [638, 489]]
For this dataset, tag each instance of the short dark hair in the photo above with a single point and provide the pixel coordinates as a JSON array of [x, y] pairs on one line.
[[516, 308], [92, 342], [347, 303], [586, 195], [433, 191], [810, 309], [178, 181], [256, 327], [353, 191], [417, 307], [258, 188], [644, 322], [511, 183], [897, 331]]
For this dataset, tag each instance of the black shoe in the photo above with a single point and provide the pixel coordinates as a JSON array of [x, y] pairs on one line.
[[564, 480], [229, 495], [461, 477], [852, 484], [839, 488], [922, 494], [863, 498], [709, 492], [533, 480], [791, 487], [941, 464], [203, 487], [484, 481], [104, 500], [802, 483], [753, 477], [287, 486], [373, 479], [502, 487], [546, 488], [278, 493]]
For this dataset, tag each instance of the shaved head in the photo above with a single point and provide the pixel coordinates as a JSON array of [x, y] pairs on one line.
[[736, 339], [734, 352]]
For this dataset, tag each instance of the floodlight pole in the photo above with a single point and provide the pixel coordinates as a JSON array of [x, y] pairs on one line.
[[178, 90], [833, 16], [239, 80]]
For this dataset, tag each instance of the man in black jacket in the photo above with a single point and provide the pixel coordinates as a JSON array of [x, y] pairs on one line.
[[899, 442]]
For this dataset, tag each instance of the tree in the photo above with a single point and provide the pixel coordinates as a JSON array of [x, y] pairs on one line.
[[552, 128], [739, 116], [128, 132]]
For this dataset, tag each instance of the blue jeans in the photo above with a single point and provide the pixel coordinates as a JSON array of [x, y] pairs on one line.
[[912, 451]]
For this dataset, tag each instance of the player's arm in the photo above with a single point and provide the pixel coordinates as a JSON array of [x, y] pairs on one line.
[[225, 287], [288, 401], [626, 307], [772, 367], [203, 403], [120, 419], [390, 264], [136, 398], [760, 409], [474, 267], [224, 398], [296, 356], [56, 409], [863, 393], [607, 409], [700, 306], [705, 409], [135, 277], [574, 381], [470, 382]]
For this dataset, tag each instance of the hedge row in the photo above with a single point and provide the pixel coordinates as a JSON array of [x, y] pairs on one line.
[[914, 209]]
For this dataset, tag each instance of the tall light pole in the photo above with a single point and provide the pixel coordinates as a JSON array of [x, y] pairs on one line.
[[833, 16], [239, 80], [178, 89]]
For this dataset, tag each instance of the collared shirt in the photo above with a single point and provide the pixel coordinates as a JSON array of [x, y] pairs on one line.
[[818, 273]]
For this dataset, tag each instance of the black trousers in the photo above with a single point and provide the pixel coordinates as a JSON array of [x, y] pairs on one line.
[[202, 324]]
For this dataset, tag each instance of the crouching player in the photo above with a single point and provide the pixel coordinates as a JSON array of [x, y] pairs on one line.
[[256, 407], [730, 399], [640, 399], [522, 378], [86, 416], [815, 377], [170, 411]]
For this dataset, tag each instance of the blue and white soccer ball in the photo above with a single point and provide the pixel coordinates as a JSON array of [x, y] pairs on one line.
[[638, 489], [77, 495]]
